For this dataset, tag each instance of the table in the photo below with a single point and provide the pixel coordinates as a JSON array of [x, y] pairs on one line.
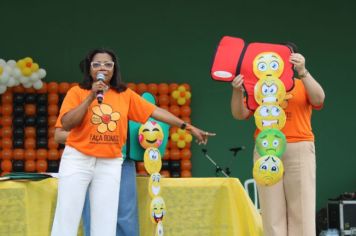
[[195, 206]]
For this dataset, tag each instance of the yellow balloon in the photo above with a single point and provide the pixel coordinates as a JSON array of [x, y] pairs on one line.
[[181, 101], [181, 89], [268, 64], [268, 170], [175, 94], [181, 144], [188, 138], [269, 90], [26, 71], [270, 116], [35, 67], [152, 160], [175, 137]]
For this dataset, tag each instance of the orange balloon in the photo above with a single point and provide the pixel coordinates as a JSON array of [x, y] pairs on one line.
[[187, 120], [51, 131], [7, 109], [18, 154], [6, 143], [53, 99], [30, 90], [152, 88], [163, 100], [52, 87], [141, 88], [43, 89], [73, 84], [52, 120], [6, 98], [7, 154], [175, 154], [140, 165], [164, 107], [6, 132], [53, 154], [186, 86], [41, 165], [52, 144], [185, 165], [30, 109], [175, 110], [53, 110], [132, 86], [172, 144], [41, 154], [18, 89], [172, 87], [6, 121], [172, 101], [30, 143], [165, 173], [163, 88], [30, 132], [63, 87], [30, 154], [185, 111], [30, 166], [142, 173], [185, 174], [166, 154], [186, 154], [6, 166]]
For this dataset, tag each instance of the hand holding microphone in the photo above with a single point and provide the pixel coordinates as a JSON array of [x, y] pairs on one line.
[[100, 93]]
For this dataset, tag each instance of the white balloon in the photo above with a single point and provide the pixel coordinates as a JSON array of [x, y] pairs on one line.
[[11, 63], [16, 73], [4, 77], [42, 73], [17, 82], [38, 84], [23, 79], [2, 89], [11, 82], [27, 85], [7, 68], [34, 77], [2, 62]]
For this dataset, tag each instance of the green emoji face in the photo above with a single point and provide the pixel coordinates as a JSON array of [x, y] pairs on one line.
[[271, 142]]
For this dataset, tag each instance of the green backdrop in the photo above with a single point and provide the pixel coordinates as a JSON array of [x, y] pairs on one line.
[[174, 41]]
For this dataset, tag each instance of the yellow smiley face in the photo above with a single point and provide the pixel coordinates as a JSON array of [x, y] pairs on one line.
[[150, 134], [268, 64], [269, 90], [154, 186], [268, 170], [152, 160], [157, 209], [270, 116]]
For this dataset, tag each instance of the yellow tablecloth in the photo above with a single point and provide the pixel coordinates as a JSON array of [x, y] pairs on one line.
[[201, 206], [195, 206]]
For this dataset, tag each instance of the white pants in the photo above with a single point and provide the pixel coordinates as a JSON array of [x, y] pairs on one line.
[[78, 171]]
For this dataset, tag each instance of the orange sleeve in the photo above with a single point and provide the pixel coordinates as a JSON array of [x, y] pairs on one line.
[[139, 109]]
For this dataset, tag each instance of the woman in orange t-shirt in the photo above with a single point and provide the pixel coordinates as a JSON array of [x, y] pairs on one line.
[[288, 207], [96, 114]]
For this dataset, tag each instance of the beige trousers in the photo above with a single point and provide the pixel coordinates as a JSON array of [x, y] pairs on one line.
[[288, 207]]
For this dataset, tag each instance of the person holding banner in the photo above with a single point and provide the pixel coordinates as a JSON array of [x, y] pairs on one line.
[[288, 207]]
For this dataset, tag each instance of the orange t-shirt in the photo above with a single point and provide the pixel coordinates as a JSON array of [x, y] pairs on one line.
[[298, 115], [103, 130]]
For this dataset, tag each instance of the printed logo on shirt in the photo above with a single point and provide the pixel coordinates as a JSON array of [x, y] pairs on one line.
[[104, 117]]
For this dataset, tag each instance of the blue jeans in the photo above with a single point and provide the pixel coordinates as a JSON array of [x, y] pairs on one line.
[[127, 218]]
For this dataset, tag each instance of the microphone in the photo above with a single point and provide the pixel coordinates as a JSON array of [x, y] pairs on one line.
[[99, 94], [236, 149]]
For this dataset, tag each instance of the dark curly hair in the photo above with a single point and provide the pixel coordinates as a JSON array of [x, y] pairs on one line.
[[116, 82]]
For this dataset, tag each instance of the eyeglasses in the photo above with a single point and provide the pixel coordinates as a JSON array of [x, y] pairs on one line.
[[109, 65]]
